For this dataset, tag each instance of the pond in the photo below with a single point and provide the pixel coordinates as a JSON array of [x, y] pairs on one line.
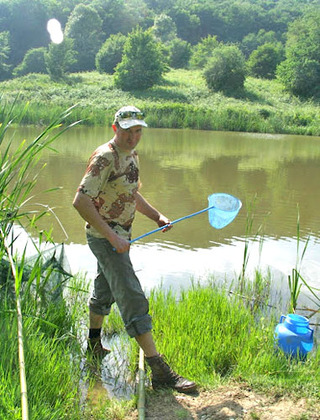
[[275, 176]]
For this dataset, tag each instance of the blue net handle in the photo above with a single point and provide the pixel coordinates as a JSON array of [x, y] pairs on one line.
[[223, 208]]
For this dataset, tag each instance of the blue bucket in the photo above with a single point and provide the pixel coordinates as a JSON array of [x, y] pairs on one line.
[[294, 336]]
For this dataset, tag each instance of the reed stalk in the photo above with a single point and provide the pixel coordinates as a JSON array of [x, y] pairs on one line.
[[294, 281], [22, 366]]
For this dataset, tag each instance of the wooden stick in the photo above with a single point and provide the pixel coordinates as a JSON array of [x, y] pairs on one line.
[[141, 401]]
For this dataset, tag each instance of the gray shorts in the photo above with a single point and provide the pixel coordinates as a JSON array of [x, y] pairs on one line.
[[116, 282]]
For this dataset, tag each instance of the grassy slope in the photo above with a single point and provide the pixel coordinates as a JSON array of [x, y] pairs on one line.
[[181, 101]]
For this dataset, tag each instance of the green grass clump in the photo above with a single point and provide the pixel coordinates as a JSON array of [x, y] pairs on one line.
[[212, 337]]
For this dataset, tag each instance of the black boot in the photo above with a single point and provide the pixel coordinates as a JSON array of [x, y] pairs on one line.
[[96, 348], [164, 377]]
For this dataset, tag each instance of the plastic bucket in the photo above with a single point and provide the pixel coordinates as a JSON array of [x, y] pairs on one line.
[[294, 336]]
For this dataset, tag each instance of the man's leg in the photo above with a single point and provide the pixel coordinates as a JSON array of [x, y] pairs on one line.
[[95, 320], [99, 306], [147, 344]]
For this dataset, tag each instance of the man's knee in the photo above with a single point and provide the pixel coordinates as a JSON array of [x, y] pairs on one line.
[[139, 325], [99, 307]]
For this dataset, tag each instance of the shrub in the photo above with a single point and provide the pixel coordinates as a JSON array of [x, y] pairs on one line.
[[300, 72], [264, 60], [203, 51], [179, 53], [110, 54], [33, 62], [142, 64], [225, 70]]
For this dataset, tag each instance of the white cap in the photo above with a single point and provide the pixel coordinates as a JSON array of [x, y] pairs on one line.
[[129, 116]]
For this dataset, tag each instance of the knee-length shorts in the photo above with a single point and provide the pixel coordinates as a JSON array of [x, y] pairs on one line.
[[116, 282]]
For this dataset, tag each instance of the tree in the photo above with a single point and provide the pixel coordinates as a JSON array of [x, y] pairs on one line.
[[164, 28], [121, 16], [179, 53], [84, 27], [142, 63], [253, 40], [59, 59], [265, 59], [33, 62], [300, 72], [203, 51], [225, 70], [4, 55], [26, 21], [188, 25], [110, 54]]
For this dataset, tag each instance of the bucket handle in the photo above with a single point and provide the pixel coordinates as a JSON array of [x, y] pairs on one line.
[[282, 318]]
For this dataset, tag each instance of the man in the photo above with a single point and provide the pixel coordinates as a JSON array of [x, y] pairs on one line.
[[107, 199]]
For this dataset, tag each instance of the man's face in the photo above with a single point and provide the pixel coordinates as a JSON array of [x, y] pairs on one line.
[[128, 139]]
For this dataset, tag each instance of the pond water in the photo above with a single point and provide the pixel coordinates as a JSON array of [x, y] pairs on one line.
[[275, 176]]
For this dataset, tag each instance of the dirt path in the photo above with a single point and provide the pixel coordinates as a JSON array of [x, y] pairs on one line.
[[227, 403]]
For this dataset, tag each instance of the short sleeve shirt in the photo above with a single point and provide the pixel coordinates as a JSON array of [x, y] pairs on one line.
[[111, 180]]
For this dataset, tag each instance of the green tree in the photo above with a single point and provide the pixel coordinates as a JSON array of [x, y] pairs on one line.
[[26, 21], [300, 72], [226, 69], [4, 55], [164, 28], [59, 59], [33, 62], [179, 53], [265, 59], [253, 40], [84, 27], [203, 51], [142, 63], [110, 54], [187, 23], [121, 15]]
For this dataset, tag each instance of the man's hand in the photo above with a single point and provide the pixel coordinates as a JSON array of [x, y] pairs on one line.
[[164, 221], [120, 245]]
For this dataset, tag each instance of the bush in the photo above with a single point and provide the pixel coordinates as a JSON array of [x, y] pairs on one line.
[[110, 54], [203, 51], [33, 62], [300, 78], [142, 64], [179, 53], [264, 60], [225, 70], [300, 72], [59, 58]]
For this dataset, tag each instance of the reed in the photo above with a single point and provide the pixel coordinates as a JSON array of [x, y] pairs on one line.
[[295, 280]]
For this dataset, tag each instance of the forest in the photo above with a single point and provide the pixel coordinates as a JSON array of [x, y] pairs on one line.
[[262, 38]]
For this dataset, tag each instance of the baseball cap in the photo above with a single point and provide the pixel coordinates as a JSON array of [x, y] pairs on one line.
[[129, 116]]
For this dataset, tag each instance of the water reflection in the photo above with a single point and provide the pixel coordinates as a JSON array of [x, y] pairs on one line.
[[271, 174]]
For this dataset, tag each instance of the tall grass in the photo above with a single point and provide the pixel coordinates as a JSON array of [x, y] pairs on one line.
[[182, 100], [212, 337]]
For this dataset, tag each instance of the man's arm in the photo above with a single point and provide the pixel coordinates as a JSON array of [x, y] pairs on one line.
[[148, 210], [85, 207]]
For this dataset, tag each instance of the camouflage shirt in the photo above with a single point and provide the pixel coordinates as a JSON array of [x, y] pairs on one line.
[[111, 180]]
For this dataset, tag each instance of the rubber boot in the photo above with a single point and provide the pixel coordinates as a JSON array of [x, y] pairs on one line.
[[96, 348]]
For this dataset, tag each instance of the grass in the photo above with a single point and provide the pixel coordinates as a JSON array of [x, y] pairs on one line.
[[181, 101]]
